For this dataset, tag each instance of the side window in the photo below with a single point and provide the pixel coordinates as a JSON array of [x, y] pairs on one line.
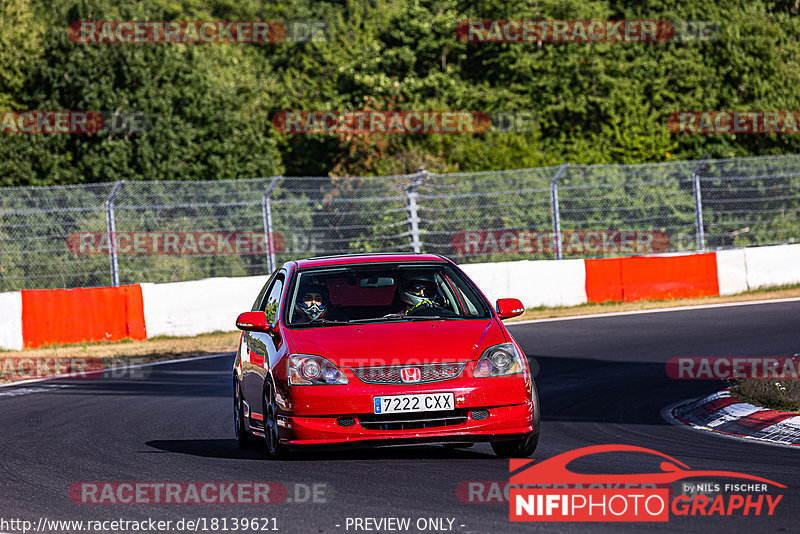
[[464, 302], [260, 297], [271, 303]]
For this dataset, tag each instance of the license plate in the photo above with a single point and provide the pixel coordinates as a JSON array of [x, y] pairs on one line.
[[424, 402]]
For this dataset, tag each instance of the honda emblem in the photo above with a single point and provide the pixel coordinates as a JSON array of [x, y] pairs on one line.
[[410, 374]]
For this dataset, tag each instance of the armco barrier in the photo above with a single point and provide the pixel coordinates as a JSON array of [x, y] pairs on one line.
[[772, 266], [35, 317], [535, 283], [52, 316], [604, 280], [200, 306], [651, 278], [669, 277], [11, 321], [731, 271]]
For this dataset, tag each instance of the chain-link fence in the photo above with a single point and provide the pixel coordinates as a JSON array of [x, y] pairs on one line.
[[156, 231]]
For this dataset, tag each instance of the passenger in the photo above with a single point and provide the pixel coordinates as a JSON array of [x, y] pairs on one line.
[[312, 302]]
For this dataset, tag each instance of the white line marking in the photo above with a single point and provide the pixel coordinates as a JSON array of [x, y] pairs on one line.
[[165, 362], [36, 389], [655, 310]]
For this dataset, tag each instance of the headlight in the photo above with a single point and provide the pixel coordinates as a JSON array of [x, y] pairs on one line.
[[309, 370], [499, 360]]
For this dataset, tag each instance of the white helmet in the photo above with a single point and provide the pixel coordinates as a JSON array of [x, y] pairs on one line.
[[417, 287]]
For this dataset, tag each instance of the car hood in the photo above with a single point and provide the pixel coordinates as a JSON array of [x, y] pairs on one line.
[[402, 343]]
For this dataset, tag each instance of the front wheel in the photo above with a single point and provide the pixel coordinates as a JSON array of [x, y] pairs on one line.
[[244, 439], [524, 447], [273, 447], [517, 448]]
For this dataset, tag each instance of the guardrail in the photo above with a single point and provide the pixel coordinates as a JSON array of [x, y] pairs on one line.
[[31, 318], [155, 231]]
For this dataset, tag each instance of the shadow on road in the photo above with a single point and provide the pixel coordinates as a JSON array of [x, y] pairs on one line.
[[207, 448], [227, 448]]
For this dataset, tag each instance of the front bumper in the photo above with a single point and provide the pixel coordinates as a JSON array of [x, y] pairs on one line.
[[502, 422], [311, 415]]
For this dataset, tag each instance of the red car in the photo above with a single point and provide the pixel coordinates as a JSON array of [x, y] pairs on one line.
[[381, 349]]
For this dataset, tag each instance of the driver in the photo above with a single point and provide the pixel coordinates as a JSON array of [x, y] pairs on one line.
[[312, 301], [417, 289]]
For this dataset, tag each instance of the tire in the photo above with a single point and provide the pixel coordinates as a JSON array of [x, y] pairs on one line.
[[524, 447], [517, 448], [244, 439], [272, 446]]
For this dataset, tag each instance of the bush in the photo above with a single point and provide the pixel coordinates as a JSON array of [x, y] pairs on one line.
[[783, 395]]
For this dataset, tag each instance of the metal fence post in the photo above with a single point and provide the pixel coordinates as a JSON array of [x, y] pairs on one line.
[[412, 208], [112, 233], [698, 205], [266, 213], [556, 212]]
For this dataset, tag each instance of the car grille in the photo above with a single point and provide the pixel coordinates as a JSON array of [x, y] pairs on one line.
[[409, 421], [431, 372], [479, 415], [345, 421]]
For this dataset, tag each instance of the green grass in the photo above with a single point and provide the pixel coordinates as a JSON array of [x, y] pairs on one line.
[[777, 394]]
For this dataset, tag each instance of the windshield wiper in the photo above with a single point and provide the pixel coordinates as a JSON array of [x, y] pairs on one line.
[[370, 319], [431, 317], [321, 323]]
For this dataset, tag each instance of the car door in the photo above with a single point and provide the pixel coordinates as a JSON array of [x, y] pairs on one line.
[[261, 348]]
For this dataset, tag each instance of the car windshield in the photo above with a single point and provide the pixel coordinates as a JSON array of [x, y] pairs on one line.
[[383, 292]]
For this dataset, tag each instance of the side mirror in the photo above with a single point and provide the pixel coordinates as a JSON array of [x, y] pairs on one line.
[[507, 308], [253, 321]]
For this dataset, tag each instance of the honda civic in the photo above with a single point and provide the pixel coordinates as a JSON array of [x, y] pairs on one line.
[[380, 349]]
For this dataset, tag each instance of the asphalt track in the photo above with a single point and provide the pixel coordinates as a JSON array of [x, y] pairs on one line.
[[601, 381]]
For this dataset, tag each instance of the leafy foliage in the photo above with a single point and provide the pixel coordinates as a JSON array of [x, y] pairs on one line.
[[210, 105], [210, 109]]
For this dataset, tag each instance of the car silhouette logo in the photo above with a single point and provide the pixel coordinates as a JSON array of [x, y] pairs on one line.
[[410, 374], [554, 470]]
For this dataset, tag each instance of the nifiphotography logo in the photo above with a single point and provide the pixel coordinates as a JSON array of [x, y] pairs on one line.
[[580, 499]]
